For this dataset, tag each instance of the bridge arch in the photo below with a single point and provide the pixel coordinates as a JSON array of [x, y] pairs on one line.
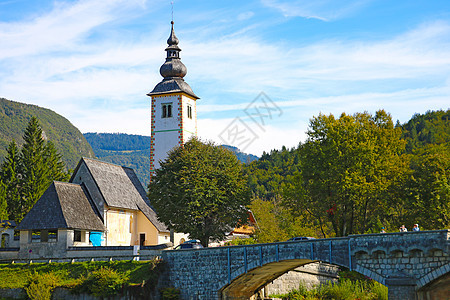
[[405, 262], [249, 283]]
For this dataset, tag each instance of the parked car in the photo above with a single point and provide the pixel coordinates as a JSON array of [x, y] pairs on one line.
[[300, 238], [191, 244]]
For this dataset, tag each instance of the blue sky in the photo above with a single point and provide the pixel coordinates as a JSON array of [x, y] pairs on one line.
[[94, 61]]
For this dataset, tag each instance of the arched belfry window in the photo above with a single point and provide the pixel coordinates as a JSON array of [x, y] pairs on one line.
[[166, 110]]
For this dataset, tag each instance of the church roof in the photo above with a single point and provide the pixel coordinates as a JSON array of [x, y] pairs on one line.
[[63, 205], [121, 188], [173, 71], [173, 85]]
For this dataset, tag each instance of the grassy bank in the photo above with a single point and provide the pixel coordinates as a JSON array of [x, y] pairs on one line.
[[96, 278], [351, 286]]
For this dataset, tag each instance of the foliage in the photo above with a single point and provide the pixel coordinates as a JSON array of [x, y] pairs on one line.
[[170, 293], [427, 190], [429, 128], [3, 203], [346, 164], [103, 282], [276, 223], [344, 290], [200, 189], [40, 286], [241, 241], [117, 141], [28, 173], [74, 275], [269, 176], [9, 171], [67, 139], [353, 175]]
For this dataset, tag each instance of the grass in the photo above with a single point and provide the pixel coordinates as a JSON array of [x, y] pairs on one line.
[[73, 275], [351, 286]]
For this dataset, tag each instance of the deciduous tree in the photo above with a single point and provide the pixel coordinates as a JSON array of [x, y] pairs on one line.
[[200, 189], [346, 164]]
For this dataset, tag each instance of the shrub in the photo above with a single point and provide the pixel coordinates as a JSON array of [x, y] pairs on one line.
[[40, 286], [170, 293], [102, 283]]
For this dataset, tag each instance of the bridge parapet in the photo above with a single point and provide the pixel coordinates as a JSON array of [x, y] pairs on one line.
[[404, 262]]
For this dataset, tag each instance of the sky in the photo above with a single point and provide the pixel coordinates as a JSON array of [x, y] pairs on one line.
[[262, 68]]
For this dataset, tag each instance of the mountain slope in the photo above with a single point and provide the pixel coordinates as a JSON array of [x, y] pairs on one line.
[[134, 151], [69, 141]]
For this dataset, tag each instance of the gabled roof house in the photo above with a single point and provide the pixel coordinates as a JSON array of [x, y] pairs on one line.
[[101, 200]]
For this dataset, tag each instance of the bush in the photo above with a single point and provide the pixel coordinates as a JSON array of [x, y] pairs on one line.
[[102, 283], [345, 289], [170, 293], [41, 286]]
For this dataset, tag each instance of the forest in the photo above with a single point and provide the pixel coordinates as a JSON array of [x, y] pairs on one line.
[[355, 174]]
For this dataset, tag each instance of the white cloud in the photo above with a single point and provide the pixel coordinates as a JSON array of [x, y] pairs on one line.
[[100, 84], [266, 139], [325, 10]]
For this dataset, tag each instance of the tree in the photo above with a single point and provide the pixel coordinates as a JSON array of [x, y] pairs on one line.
[[3, 203], [346, 164], [34, 172], [200, 189], [428, 188], [54, 164], [9, 175], [26, 174]]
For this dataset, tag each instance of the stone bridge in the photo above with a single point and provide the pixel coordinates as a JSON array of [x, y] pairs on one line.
[[413, 265]]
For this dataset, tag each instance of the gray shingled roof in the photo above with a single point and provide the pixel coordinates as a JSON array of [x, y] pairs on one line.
[[121, 188], [63, 205], [172, 85]]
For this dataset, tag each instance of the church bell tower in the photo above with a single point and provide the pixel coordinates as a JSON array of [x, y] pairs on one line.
[[173, 109]]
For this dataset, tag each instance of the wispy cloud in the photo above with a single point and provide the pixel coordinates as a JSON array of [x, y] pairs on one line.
[[78, 60], [325, 10]]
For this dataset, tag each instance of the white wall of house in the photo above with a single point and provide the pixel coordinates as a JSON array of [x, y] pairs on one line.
[[120, 227]]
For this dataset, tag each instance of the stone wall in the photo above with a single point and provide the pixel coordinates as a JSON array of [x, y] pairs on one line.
[[403, 261], [310, 275]]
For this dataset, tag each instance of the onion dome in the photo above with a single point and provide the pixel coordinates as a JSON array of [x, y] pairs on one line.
[[173, 70]]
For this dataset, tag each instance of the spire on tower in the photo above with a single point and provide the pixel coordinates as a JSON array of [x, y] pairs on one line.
[[173, 70]]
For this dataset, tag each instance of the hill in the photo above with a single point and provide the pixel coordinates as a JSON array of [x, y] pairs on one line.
[[433, 127], [134, 151], [69, 141]]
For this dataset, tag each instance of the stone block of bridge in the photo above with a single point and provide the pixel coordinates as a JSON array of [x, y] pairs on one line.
[[405, 262]]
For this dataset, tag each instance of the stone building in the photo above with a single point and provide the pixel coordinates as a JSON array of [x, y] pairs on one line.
[[103, 205]]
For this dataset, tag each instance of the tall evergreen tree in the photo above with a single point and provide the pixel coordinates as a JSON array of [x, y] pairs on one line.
[[9, 175], [34, 179], [3, 204], [53, 161], [26, 174]]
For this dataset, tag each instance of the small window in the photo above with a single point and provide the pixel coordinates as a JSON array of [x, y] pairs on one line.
[[167, 110], [189, 111], [77, 236]]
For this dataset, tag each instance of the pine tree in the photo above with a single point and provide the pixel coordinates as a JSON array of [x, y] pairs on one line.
[[53, 162], [3, 204], [9, 175], [34, 172], [26, 174]]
